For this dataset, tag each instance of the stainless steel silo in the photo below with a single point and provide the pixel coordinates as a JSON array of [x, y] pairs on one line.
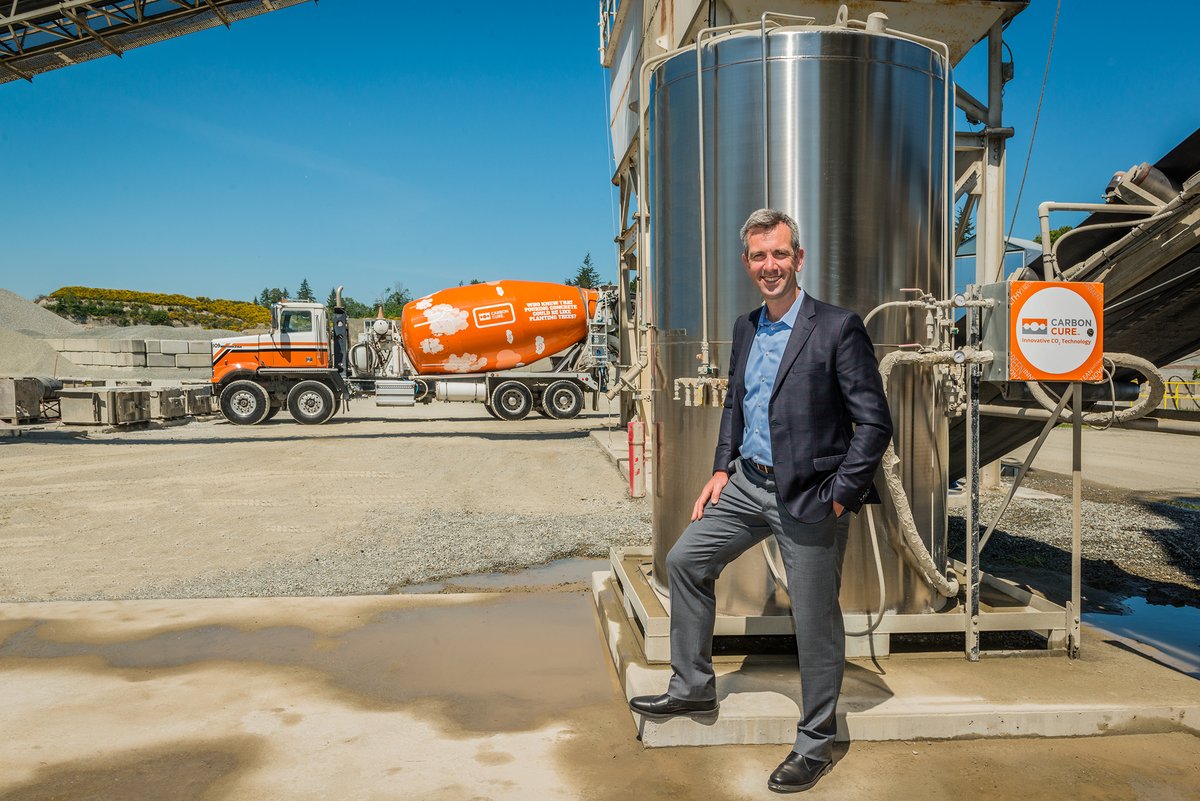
[[848, 131]]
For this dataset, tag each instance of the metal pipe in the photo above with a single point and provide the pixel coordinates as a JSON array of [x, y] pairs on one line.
[[1159, 424], [1073, 613], [1044, 209], [974, 109]]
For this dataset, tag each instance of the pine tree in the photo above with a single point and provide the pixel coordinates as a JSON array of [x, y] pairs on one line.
[[586, 276], [305, 292]]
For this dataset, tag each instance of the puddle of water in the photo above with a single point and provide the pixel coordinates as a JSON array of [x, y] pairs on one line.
[[560, 571], [479, 667], [1170, 634]]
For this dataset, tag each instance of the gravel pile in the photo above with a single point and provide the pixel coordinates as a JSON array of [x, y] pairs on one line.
[[430, 545], [1130, 546], [26, 317], [24, 356]]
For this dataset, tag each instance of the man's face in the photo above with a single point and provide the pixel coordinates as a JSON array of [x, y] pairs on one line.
[[771, 264]]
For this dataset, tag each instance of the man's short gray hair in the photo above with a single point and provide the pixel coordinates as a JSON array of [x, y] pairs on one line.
[[765, 220]]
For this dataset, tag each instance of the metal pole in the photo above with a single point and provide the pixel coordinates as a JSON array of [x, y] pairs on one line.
[[989, 244], [1075, 610], [972, 545]]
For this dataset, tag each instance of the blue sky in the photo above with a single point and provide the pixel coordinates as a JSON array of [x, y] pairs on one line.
[[369, 142]]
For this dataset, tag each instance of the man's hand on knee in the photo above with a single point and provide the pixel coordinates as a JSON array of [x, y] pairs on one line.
[[711, 491]]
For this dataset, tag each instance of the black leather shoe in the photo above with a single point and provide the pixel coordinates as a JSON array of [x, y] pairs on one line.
[[661, 707], [797, 773]]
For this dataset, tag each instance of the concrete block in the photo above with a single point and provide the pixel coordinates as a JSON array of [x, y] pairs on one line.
[[122, 359], [153, 346], [200, 346], [159, 360], [174, 345], [198, 400], [104, 406], [57, 344], [82, 344], [20, 400], [167, 403], [83, 358], [126, 346], [193, 360]]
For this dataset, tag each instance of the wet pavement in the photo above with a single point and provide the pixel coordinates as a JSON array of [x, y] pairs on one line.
[[506, 695]]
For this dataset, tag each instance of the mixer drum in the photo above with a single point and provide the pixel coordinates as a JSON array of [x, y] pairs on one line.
[[856, 149], [497, 325]]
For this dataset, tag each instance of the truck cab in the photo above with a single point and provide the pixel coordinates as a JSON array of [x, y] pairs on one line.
[[257, 375]]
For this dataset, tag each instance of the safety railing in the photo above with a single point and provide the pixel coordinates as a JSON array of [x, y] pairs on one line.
[[1181, 395]]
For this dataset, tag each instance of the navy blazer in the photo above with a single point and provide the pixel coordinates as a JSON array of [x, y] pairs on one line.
[[829, 418]]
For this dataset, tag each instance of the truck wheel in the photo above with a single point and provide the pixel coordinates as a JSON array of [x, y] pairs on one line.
[[491, 411], [562, 400], [512, 400], [245, 402], [273, 411], [311, 402]]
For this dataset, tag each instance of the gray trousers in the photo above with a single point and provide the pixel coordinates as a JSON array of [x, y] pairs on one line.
[[748, 511]]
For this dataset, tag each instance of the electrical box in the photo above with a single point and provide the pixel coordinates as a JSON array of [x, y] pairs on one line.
[[1044, 331]]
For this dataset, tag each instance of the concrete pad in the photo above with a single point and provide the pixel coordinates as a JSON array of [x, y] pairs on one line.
[[193, 360], [173, 345], [438, 698], [919, 697]]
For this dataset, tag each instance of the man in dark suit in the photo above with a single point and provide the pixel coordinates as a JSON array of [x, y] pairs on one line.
[[803, 430]]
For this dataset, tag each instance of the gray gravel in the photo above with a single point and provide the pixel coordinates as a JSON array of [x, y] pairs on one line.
[[1130, 545], [25, 316], [21, 355], [428, 546]]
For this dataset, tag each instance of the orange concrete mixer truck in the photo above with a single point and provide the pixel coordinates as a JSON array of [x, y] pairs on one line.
[[470, 343]]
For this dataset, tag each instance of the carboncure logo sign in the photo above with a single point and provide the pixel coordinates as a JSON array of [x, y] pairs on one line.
[[1056, 331]]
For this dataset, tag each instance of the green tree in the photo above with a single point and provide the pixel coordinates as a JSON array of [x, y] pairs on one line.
[[969, 231], [393, 300], [353, 307], [271, 295], [1054, 234], [305, 292], [586, 276]]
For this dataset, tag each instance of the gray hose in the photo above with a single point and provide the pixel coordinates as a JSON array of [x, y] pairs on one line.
[[907, 541], [1140, 409]]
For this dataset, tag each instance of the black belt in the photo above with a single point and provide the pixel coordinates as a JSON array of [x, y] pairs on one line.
[[766, 470]]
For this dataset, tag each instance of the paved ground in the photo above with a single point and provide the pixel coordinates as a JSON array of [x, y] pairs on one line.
[[1139, 461], [452, 697], [508, 695]]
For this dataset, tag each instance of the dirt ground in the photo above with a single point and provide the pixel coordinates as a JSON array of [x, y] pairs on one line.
[[371, 501]]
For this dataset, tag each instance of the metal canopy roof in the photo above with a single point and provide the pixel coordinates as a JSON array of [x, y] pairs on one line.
[[41, 35], [961, 24]]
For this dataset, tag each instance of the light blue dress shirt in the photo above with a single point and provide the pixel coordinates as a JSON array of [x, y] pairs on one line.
[[766, 351]]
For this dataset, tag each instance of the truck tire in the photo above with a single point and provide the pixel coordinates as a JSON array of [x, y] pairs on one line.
[[512, 400], [562, 400], [245, 402], [491, 411], [273, 411], [311, 402]]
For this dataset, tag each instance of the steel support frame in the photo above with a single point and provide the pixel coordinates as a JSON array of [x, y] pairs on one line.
[[64, 28]]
